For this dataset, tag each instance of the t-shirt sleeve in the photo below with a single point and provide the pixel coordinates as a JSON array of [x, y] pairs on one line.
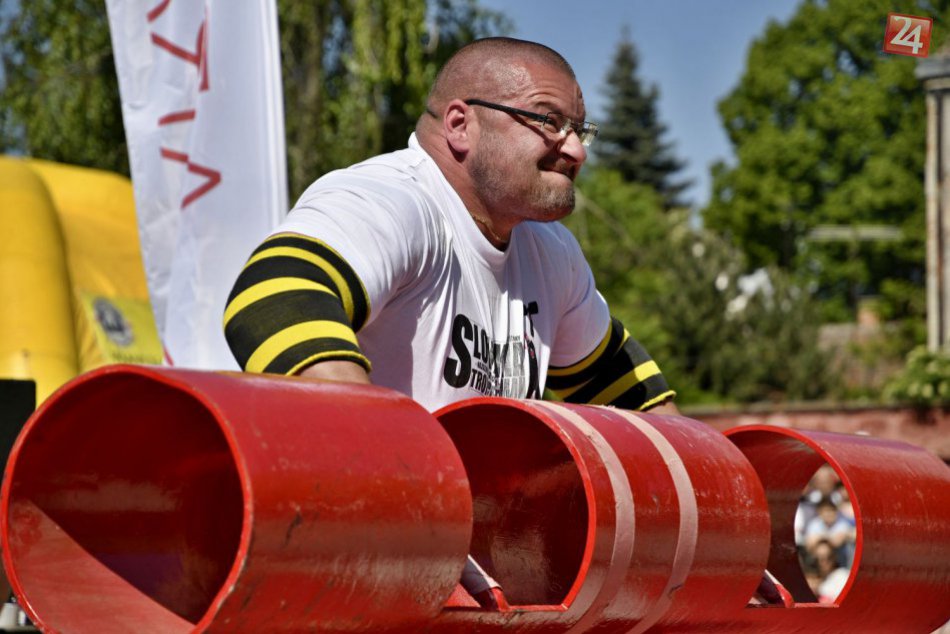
[[382, 232], [596, 359], [815, 527], [585, 315], [344, 250]]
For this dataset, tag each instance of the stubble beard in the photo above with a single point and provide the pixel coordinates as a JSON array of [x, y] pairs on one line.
[[553, 203], [530, 197]]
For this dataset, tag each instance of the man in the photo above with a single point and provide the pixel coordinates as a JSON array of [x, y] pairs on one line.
[[829, 526], [438, 270]]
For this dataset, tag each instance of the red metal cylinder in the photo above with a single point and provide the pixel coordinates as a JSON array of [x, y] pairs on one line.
[[900, 578], [595, 519], [148, 499]]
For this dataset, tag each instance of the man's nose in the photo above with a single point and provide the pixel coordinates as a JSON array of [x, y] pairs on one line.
[[573, 149]]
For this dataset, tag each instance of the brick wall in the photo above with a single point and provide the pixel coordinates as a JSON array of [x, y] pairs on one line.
[[929, 429]]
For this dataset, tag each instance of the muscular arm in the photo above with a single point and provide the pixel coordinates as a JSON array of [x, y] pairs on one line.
[[618, 372], [337, 371], [295, 309]]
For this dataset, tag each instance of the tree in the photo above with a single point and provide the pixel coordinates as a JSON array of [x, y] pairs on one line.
[[59, 97], [343, 64], [355, 76], [356, 73], [925, 380], [681, 293], [620, 225], [828, 130], [630, 141]]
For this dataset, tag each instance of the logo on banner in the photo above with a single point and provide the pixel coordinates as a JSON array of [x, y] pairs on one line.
[[112, 322], [119, 330]]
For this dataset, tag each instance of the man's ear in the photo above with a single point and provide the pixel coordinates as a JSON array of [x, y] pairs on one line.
[[457, 125]]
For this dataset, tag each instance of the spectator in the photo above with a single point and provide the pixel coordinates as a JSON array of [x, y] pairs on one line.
[[832, 576], [823, 484], [828, 526]]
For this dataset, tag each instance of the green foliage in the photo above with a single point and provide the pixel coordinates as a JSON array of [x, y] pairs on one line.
[[630, 140], [677, 290], [355, 76], [351, 70], [59, 99], [827, 129], [357, 72], [618, 225], [734, 343], [925, 380], [458, 22]]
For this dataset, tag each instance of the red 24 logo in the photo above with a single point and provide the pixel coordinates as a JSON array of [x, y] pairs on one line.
[[907, 35]]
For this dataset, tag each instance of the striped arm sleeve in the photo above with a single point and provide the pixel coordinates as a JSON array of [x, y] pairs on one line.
[[297, 302], [618, 372]]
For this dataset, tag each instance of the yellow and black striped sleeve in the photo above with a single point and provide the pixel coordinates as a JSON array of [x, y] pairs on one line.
[[297, 302], [618, 372]]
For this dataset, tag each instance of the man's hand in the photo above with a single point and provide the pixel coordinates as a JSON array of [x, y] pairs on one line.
[[337, 371]]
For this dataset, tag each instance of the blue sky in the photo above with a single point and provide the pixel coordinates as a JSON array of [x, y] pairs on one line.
[[693, 50]]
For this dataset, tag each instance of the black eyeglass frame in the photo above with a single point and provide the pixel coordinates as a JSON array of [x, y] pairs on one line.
[[585, 130]]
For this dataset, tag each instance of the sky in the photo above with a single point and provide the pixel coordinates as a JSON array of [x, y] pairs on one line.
[[694, 51]]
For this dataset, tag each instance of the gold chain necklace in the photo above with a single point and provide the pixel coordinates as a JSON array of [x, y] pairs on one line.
[[487, 228]]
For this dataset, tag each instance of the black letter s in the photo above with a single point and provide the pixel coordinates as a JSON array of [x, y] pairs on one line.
[[461, 328]]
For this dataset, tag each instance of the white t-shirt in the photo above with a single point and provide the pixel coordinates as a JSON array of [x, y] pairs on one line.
[[451, 316]]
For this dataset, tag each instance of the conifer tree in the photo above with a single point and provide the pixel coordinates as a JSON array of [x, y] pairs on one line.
[[631, 137]]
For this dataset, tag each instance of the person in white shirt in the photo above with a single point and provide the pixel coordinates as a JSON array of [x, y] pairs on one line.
[[441, 270], [828, 526]]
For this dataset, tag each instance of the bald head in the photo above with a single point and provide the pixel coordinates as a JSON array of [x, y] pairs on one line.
[[506, 169], [493, 69]]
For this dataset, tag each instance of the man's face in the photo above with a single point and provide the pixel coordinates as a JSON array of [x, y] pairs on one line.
[[825, 558], [828, 514], [825, 480], [520, 168]]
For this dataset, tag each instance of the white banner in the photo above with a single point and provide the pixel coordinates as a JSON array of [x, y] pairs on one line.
[[203, 113]]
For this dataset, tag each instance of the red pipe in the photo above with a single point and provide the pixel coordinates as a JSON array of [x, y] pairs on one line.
[[900, 578], [171, 500], [597, 519], [149, 499]]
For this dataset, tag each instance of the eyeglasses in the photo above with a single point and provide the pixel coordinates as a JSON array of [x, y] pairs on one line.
[[552, 122]]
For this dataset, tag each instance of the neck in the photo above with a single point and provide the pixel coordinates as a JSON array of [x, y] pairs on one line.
[[485, 227], [455, 173]]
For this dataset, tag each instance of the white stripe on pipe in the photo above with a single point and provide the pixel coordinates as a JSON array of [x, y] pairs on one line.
[[689, 519], [622, 551]]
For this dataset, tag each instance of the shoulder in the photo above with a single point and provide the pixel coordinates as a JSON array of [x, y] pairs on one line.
[[814, 525], [841, 524], [555, 247], [386, 192], [389, 179], [552, 238]]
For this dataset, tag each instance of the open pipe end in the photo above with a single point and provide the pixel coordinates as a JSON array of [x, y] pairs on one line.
[[142, 511], [530, 502]]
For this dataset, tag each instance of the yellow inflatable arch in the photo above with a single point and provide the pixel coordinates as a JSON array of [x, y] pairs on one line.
[[72, 285]]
